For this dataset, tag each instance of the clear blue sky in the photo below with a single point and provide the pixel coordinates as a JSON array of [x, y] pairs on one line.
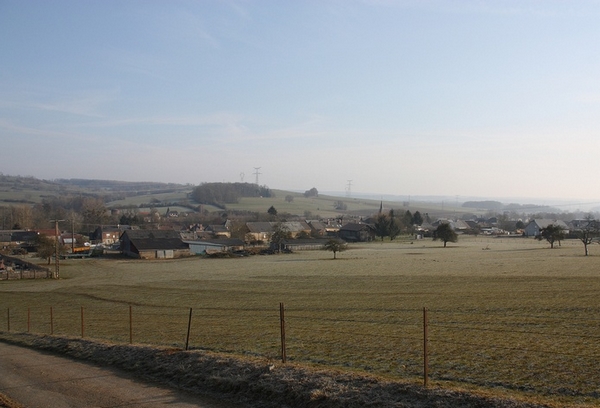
[[460, 98]]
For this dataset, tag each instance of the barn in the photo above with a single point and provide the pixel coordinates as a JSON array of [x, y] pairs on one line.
[[153, 244], [207, 246]]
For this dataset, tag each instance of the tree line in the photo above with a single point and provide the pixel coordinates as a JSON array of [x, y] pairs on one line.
[[219, 194], [390, 225]]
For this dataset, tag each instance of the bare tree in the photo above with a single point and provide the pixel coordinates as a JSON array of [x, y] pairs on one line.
[[46, 248], [588, 233]]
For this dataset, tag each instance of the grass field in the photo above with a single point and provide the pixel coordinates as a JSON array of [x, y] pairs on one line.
[[506, 314]]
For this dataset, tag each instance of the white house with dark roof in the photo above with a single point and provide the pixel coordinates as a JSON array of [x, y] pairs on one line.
[[535, 226]]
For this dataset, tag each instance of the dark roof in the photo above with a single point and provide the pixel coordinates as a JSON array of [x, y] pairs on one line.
[[154, 239], [24, 235], [317, 225], [355, 227], [259, 226], [217, 228]]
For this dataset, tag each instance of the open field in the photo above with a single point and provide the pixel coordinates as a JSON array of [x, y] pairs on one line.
[[506, 314]]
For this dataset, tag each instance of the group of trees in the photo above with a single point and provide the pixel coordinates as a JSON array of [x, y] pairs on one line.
[[390, 225], [587, 233], [219, 194], [313, 192], [80, 211]]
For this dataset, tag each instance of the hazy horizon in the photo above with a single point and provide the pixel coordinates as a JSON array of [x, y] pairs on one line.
[[395, 97]]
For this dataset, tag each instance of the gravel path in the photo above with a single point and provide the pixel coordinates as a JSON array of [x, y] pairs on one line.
[[40, 380]]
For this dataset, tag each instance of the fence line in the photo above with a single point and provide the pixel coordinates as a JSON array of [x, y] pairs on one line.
[[425, 345]]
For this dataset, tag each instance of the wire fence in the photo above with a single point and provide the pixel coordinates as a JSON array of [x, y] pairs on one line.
[[543, 353]]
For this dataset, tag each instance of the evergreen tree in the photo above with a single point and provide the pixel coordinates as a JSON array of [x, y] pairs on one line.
[[417, 218], [394, 227], [382, 226]]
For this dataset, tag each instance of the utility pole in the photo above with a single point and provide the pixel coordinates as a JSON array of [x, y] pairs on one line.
[[256, 173], [349, 189], [56, 236], [72, 235]]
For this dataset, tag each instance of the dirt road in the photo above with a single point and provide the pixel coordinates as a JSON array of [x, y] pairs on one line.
[[40, 380]]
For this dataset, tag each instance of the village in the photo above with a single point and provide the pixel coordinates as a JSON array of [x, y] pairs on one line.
[[260, 237]]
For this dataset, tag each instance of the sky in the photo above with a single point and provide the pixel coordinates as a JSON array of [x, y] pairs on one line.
[[457, 98]]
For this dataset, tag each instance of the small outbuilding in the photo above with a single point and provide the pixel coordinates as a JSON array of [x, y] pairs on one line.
[[207, 246]]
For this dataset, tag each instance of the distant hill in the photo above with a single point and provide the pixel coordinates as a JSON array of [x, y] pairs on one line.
[[122, 186], [491, 205], [17, 190]]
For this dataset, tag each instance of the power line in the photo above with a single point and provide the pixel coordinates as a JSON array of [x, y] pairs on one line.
[[256, 173]]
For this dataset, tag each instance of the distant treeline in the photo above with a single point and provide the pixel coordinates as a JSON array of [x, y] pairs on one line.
[[498, 206], [145, 186], [219, 194]]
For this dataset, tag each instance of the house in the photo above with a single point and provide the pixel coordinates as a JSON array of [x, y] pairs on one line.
[[5, 237], [296, 228], [259, 231], [20, 238], [357, 232], [579, 225], [219, 231], [317, 228], [153, 244], [332, 227], [460, 225], [535, 226], [262, 231], [207, 246], [108, 235]]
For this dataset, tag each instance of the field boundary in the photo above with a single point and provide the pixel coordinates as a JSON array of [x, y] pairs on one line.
[[424, 339]]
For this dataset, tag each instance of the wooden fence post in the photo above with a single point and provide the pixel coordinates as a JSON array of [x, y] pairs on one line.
[[282, 327], [425, 348], [130, 325], [187, 339]]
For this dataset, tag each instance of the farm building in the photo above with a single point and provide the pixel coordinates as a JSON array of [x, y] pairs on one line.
[[108, 235], [259, 231], [17, 237], [296, 228], [153, 244], [208, 246], [355, 232], [535, 226], [317, 228], [262, 231], [219, 231]]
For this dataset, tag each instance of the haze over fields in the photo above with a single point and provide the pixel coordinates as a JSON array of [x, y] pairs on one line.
[[403, 98]]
